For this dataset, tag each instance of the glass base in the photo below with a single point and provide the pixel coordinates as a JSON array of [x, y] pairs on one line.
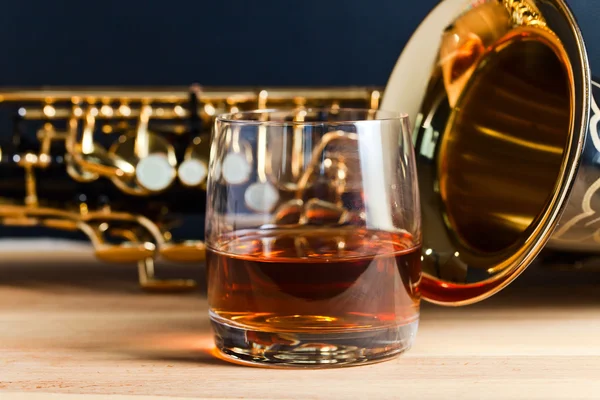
[[311, 350]]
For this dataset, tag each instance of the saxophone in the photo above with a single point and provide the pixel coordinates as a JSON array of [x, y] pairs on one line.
[[127, 167]]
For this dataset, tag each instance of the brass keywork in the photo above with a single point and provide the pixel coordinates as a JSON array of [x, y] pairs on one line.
[[136, 167], [193, 170], [151, 156]]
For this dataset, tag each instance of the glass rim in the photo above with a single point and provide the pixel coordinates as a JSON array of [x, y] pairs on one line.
[[233, 117]]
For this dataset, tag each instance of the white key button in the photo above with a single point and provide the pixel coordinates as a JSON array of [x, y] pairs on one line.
[[236, 168], [261, 197], [192, 172], [154, 172]]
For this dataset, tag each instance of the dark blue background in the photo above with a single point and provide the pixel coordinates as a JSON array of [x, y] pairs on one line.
[[156, 42], [262, 42]]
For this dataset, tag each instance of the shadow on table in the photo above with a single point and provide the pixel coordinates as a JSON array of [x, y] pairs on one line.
[[190, 357], [541, 286], [86, 273]]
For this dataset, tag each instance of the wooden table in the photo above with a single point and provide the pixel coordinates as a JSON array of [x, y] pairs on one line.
[[70, 325]]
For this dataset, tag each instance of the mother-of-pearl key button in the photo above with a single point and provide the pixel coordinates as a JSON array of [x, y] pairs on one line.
[[192, 172], [154, 172], [236, 169], [261, 197]]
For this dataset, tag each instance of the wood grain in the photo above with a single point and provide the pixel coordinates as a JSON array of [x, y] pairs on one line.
[[70, 325]]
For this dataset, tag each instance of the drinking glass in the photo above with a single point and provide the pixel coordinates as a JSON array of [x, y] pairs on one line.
[[313, 236]]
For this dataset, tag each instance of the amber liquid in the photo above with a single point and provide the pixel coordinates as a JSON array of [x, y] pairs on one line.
[[314, 280]]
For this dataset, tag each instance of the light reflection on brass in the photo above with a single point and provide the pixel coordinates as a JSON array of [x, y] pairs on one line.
[[124, 110], [518, 141], [375, 97], [49, 111], [262, 99], [518, 172], [209, 109], [106, 110]]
